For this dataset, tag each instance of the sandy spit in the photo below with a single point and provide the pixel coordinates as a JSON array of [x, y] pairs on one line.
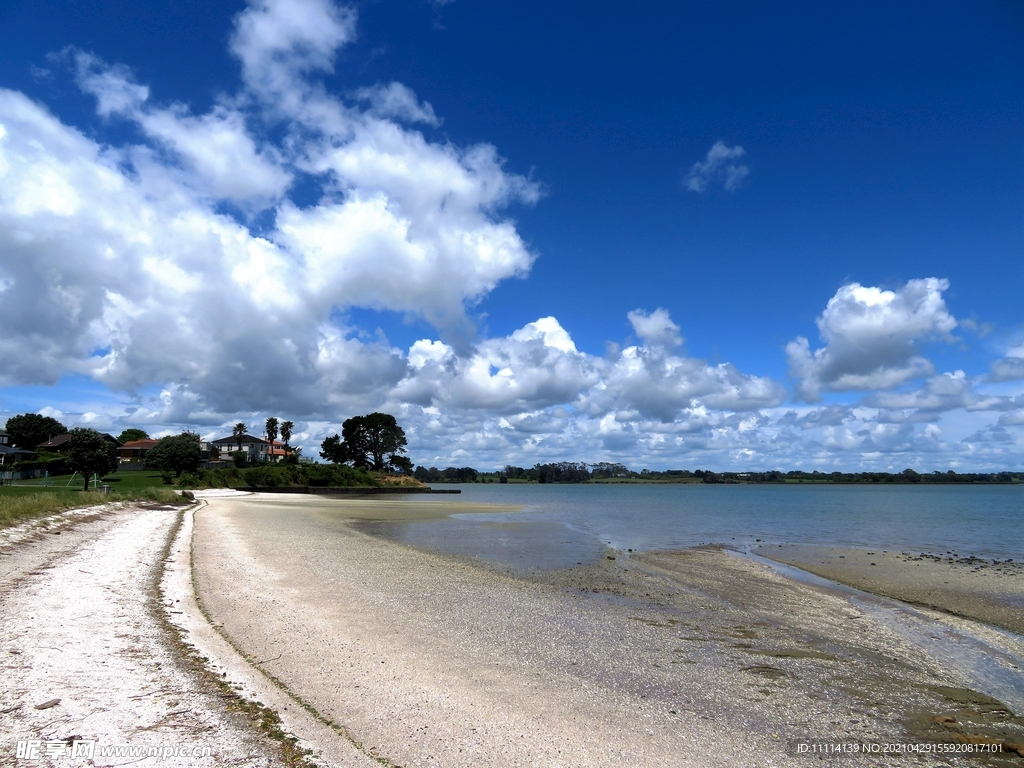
[[989, 591], [694, 658], [86, 658]]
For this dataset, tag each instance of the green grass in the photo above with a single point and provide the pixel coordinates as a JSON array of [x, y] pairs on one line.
[[118, 481], [18, 504]]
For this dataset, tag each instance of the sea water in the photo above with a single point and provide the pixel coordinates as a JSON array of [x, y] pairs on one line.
[[558, 526]]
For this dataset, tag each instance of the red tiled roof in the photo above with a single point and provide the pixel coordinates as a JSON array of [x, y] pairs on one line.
[[140, 444]]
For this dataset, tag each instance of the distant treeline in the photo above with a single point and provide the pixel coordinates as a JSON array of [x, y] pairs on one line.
[[604, 472], [904, 477], [447, 475]]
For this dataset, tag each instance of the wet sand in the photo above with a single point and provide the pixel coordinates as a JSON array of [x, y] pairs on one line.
[[663, 659], [988, 591]]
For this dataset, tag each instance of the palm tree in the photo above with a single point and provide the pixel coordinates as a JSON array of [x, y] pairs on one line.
[[271, 427], [239, 432], [286, 433]]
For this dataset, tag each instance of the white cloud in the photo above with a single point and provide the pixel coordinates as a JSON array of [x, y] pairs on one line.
[[1012, 419], [397, 101], [945, 392], [720, 166], [1011, 367], [117, 263], [114, 87], [217, 149], [655, 329], [279, 41], [870, 336]]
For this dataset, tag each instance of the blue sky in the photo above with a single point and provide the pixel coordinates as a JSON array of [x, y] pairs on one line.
[[586, 232]]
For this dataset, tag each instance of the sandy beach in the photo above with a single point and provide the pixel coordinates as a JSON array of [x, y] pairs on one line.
[[158, 626], [683, 658]]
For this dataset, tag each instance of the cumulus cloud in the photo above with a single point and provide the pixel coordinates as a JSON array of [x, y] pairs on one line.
[[538, 366], [117, 261], [721, 166], [280, 41], [656, 329], [945, 392], [870, 337], [1009, 368], [1012, 419]]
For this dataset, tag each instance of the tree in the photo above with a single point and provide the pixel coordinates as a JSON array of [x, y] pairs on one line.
[[90, 453], [373, 442], [28, 430], [239, 432], [286, 434], [402, 464], [271, 428], [334, 450], [132, 434], [177, 454]]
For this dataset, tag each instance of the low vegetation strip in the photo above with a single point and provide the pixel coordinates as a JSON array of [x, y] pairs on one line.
[[32, 503], [285, 476]]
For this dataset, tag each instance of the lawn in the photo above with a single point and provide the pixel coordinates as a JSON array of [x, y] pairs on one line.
[[34, 498], [118, 481]]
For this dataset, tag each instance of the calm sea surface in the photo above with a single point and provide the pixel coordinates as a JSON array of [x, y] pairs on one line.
[[561, 525]]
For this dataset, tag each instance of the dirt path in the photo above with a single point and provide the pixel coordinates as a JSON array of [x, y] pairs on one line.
[[88, 665]]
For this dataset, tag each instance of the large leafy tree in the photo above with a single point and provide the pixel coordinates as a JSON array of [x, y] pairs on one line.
[[373, 442], [286, 433], [177, 454], [90, 453], [132, 434], [27, 430]]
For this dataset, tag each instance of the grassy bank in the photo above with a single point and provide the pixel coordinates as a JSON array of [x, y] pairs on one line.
[[25, 503], [282, 476]]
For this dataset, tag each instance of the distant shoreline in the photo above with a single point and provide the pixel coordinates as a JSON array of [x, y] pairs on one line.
[[730, 481], [356, 490]]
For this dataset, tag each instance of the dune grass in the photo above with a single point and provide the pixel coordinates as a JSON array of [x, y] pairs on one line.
[[18, 504]]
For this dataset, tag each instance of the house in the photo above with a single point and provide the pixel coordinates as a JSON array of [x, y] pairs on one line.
[[135, 450], [59, 444], [256, 449], [10, 454], [278, 452]]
